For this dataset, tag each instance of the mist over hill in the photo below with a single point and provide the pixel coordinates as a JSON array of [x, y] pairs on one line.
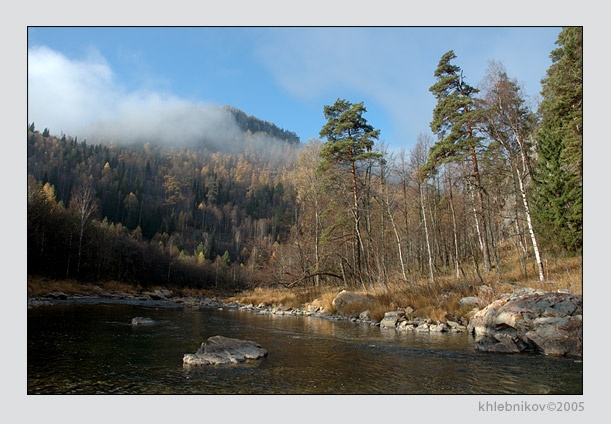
[[215, 128], [84, 99]]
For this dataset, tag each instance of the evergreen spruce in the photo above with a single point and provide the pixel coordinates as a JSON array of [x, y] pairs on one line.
[[559, 208]]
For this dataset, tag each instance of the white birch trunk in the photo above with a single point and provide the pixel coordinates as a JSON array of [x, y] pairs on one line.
[[531, 230], [426, 234]]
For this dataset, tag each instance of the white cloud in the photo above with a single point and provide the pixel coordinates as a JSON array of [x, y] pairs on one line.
[[80, 97], [152, 117], [63, 94]]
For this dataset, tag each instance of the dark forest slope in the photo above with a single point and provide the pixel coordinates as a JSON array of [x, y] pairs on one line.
[[148, 213]]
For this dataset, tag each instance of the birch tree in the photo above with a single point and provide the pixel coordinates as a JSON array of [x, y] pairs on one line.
[[84, 205], [509, 122], [418, 157]]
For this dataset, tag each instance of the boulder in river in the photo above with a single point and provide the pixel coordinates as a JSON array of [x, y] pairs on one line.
[[544, 322], [219, 350], [142, 321]]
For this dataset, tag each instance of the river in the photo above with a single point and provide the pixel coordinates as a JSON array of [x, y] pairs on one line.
[[94, 349]]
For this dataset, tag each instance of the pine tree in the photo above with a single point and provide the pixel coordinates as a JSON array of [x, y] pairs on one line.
[[350, 140], [454, 120]]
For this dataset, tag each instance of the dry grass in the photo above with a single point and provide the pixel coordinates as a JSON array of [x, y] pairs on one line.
[[426, 300], [438, 300], [324, 300], [191, 292], [38, 286], [561, 273], [377, 311], [290, 298]]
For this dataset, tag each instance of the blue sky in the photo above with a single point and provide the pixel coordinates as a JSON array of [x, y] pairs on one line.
[[125, 79]]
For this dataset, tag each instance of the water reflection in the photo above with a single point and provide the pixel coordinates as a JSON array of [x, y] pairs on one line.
[[94, 349]]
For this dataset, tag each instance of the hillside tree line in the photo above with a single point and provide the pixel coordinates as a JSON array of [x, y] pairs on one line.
[[496, 184]]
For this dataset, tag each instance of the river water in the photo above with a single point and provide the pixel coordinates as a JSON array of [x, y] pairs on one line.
[[94, 349]]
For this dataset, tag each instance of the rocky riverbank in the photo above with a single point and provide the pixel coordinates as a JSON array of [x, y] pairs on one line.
[[525, 321], [401, 319], [536, 322]]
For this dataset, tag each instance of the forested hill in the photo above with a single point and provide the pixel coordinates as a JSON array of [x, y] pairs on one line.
[[216, 128], [256, 125], [151, 214]]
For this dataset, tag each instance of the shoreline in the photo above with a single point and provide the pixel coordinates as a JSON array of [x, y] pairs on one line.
[[559, 317], [164, 298]]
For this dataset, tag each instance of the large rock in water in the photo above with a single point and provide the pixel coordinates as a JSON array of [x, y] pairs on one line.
[[142, 321], [545, 322], [218, 350]]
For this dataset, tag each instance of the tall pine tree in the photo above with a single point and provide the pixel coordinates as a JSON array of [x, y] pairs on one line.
[[454, 121], [350, 140]]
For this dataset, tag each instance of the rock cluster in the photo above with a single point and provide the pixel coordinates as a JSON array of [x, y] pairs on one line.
[[350, 303], [157, 294], [400, 320], [544, 322], [219, 350]]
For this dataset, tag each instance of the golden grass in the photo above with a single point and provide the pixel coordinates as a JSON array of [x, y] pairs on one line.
[[438, 300], [366, 302], [290, 298], [560, 274], [378, 310], [38, 286], [324, 300], [191, 292]]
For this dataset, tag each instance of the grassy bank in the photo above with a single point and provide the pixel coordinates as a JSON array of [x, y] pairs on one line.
[[437, 300], [40, 286]]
